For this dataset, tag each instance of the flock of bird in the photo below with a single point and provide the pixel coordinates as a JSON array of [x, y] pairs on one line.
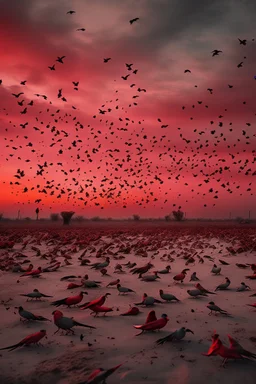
[[119, 255], [115, 164]]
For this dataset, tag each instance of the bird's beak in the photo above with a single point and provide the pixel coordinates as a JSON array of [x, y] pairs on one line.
[[189, 330]]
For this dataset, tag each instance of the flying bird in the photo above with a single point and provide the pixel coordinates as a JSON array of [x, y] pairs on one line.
[[133, 20]]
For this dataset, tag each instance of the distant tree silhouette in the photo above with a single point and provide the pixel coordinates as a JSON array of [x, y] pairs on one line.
[[136, 217], [95, 218], [37, 213], [54, 217], [1, 216], [79, 218], [167, 218], [66, 216], [178, 215]]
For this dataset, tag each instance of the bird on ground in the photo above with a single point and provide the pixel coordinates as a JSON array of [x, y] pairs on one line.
[[223, 286], [165, 271], [29, 315], [167, 296], [33, 273], [243, 287], [216, 270], [202, 289], [251, 277], [74, 285], [100, 301], [148, 300], [113, 283], [71, 300], [194, 277], [100, 375], [242, 266], [178, 335], [152, 277], [133, 20], [101, 265], [216, 309], [133, 311], [151, 317], [90, 283], [34, 295], [153, 325], [142, 270], [96, 309], [123, 290], [181, 276], [234, 345], [217, 348], [223, 262], [66, 323], [195, 293], [34, 338]]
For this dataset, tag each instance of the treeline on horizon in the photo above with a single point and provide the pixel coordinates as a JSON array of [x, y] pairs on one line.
[[55, 217]]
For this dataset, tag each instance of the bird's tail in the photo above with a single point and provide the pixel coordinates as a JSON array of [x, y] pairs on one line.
[[84, 306], [57, 303], [162, 341], [41, 318], [12, 347], [84, 325]]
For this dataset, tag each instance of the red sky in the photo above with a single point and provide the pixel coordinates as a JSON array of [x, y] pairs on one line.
[[203, 161]]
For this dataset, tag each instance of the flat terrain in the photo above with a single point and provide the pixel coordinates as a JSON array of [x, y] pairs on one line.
[[68, 359]]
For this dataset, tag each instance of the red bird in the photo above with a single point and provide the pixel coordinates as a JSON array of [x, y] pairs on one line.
[[100, 301], [71, 300], [217, 348], [133, 311], [74, 285], [34, 338], [151, 317], [251, 277], [212, 349], [100, 375], [34, 272], [154, 325], [181, 276], [100, 309]]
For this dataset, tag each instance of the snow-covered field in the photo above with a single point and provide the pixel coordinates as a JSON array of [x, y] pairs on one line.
[[68, 359]]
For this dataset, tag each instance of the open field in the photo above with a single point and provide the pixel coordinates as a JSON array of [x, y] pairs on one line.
[[68, 359]]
